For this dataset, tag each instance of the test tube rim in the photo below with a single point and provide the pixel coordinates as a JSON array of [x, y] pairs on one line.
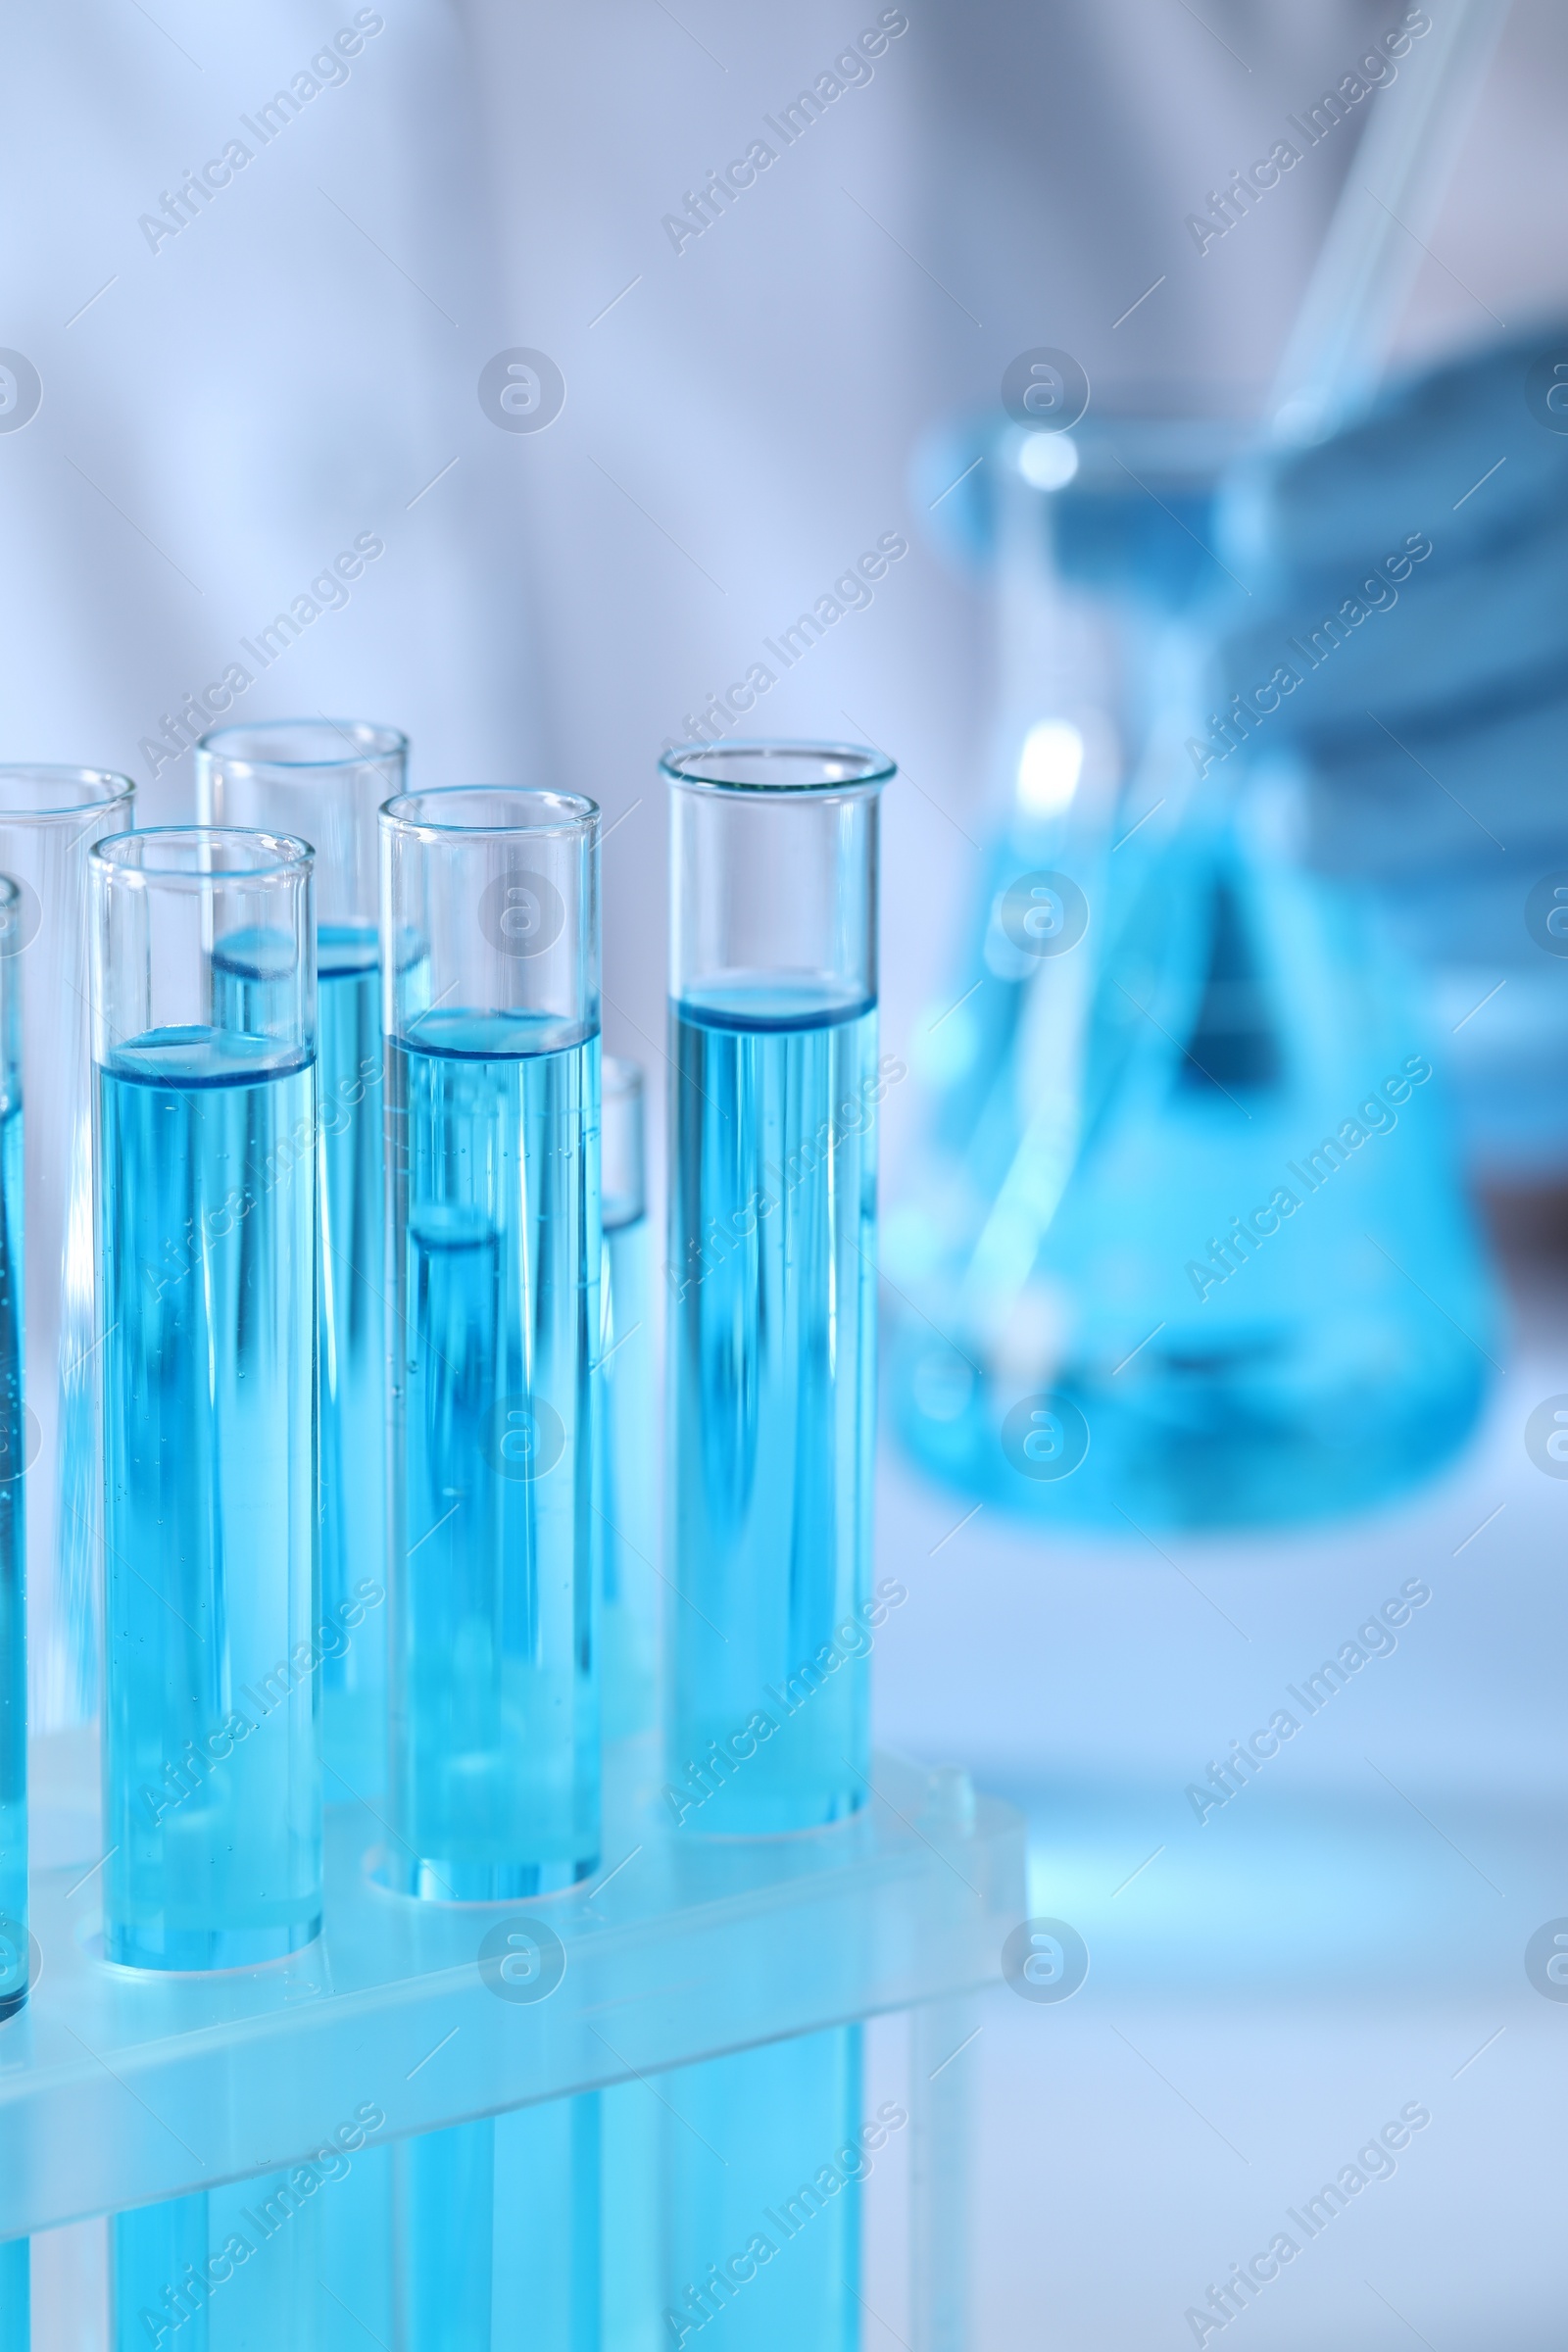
[[376, 743], [288, 854], [581, 817], [93, 789], [677, 766]]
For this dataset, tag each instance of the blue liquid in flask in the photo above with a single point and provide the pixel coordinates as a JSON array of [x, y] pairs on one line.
[[1249, 1292], [496, 1251], [773, 1356], [206, 1234]]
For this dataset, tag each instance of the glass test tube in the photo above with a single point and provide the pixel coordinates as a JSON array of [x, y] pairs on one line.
[[49, 820], [205, 1174], [628, 1505], [158, 2266], [325, 779], [787, 2120], [490, 960], [496, 2236], [16, 2297], [772, 1273], [12, 1462], [224, 2269]]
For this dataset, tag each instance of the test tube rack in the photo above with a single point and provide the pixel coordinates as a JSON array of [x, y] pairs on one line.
[[118, 2088]]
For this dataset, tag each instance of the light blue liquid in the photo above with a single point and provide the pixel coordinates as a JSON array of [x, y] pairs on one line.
[[253, 976], [13, 1580], [628, 1484], [443, 2224], [275, 2296], [779, 2221], [155, 2250], [236, 2269], [207, 1240], [773, 1336], [354, 2299], [16, 2297], [496, 2234], [353, 1364], [494, 1246], [632, 2206], [547, 2241]]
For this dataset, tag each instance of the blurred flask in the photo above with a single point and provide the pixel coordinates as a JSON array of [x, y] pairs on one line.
[[1186, 1245], [630, 1451]]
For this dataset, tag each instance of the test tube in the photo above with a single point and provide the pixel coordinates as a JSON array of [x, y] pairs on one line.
[[228, 2268], [628, 1454], [16, 2298], [496, 2236], [772, 1273], [204, 1178], [490, 964], [443, 2237], [158, 2270], [12, 1461], [325, 779], [789, 2118], [49, 820]]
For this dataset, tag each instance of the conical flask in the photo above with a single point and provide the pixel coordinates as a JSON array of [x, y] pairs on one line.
[[1187, 1247]]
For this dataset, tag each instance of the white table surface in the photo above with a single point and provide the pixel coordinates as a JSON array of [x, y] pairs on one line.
[[1343, 1938]]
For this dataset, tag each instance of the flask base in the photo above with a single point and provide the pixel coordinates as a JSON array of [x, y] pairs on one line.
[[1208, 1449]]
